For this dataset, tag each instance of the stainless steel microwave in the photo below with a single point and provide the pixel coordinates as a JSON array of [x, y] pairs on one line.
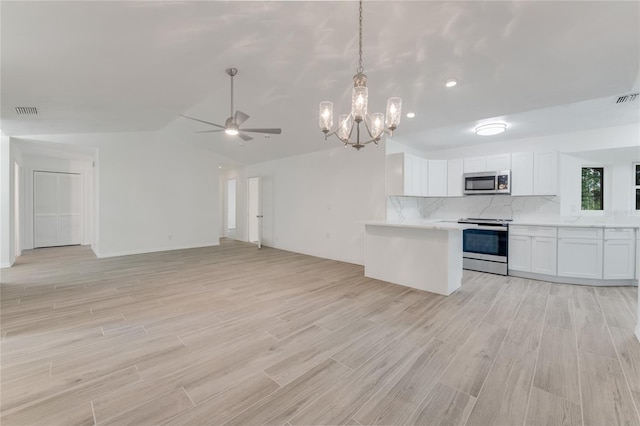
[[498, 182]]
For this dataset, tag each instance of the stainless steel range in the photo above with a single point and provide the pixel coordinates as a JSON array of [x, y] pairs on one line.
[[486, 248]]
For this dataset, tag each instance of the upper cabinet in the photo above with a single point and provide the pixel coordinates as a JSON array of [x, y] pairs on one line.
[[455, 182], [409, 175], [545, 173], [522, 173], [489, 163], [437, 178], [531, 173], [498, 162], [534, 173]]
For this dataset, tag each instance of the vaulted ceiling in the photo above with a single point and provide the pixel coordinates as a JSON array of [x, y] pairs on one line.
[[93, 67]]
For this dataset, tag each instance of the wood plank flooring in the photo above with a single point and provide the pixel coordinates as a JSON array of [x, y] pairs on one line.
[[237, 335]]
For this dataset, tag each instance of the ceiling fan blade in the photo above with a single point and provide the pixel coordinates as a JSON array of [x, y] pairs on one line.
[[202, 121], [244, 137], [210, 131], [240, 117], [272, 131]]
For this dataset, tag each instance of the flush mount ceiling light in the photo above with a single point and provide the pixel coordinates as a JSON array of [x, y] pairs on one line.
[[450, 82], [411, 114], [491, 129], [374, 124]]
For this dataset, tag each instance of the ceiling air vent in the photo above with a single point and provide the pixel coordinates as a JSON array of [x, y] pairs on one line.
[[26, 110], [627, 98]]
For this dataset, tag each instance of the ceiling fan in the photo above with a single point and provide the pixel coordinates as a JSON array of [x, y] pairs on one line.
[[232, 124]]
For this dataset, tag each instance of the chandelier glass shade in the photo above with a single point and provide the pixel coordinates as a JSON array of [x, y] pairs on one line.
[[359, 128]]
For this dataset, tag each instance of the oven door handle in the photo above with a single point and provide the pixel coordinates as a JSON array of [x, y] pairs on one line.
[[491, 228]]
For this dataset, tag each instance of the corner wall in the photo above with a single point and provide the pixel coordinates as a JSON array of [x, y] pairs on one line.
[[315, 203], [152, 192]]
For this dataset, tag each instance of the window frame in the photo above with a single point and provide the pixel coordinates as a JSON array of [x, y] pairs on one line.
[[603, 170], [635, 187]]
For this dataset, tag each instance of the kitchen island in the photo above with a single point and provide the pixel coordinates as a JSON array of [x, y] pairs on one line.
[[426, 255]]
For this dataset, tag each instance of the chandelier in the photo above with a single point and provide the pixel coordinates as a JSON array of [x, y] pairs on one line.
[[359, 124]]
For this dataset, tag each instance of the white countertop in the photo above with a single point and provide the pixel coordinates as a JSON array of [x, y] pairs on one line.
[[436, 224], [575, 224]]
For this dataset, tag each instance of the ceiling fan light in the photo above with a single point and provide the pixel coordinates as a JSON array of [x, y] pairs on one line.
[[231, 131], [490, 129]]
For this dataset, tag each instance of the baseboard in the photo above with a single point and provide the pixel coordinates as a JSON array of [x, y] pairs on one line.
[[153, 250], [570, 280], [5, 265]]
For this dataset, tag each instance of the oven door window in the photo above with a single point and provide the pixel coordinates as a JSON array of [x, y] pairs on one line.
[[484, 183], [485, 242]]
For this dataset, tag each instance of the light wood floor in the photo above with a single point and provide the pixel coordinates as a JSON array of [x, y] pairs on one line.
[[236, 335]]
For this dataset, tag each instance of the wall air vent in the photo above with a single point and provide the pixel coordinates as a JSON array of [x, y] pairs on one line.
[[627, 98], [26, 110]]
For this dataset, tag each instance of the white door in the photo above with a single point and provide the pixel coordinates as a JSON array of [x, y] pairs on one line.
[[57, 209], [255, 211]]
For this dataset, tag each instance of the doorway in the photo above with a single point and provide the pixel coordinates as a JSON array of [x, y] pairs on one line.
[[231, 208], [17, 187], [255, 210], [57, 209]]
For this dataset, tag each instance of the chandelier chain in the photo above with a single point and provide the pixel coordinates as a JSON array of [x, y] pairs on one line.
[[360, 68]]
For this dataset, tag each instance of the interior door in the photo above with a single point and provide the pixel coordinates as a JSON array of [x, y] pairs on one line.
[[57, 209], [255, 210]]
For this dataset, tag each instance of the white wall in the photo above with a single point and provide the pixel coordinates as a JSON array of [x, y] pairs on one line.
[[152, 192], [314, 203], [604, 138], [7, 247]]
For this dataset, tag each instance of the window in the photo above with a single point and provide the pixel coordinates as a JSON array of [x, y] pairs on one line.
[[636, 176], [592, 188]]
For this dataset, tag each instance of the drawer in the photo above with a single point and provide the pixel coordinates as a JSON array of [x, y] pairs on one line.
[[619, 233], [581, 233], [533, 231]]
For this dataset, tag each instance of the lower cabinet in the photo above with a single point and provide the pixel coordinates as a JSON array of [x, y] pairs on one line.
[[580, 258], [532, 249], [619, 259], [520, 253], [544, 255]]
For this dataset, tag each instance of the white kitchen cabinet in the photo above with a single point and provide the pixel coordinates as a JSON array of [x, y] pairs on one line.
[[407, 175], [404, 175], [545, 173], [533, 249], [520, 253], [498, 162], [437, 178], [544, 255], [455, 180], [475, 165], [619, 253], [580, 258], [522, 173]]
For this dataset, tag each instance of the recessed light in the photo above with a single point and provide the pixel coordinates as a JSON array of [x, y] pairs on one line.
[[491, 129], [219, 167], [411, 114], [450, 82]]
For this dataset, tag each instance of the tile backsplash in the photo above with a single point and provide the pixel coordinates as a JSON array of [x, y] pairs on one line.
[[483, 206], [535, 209]]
